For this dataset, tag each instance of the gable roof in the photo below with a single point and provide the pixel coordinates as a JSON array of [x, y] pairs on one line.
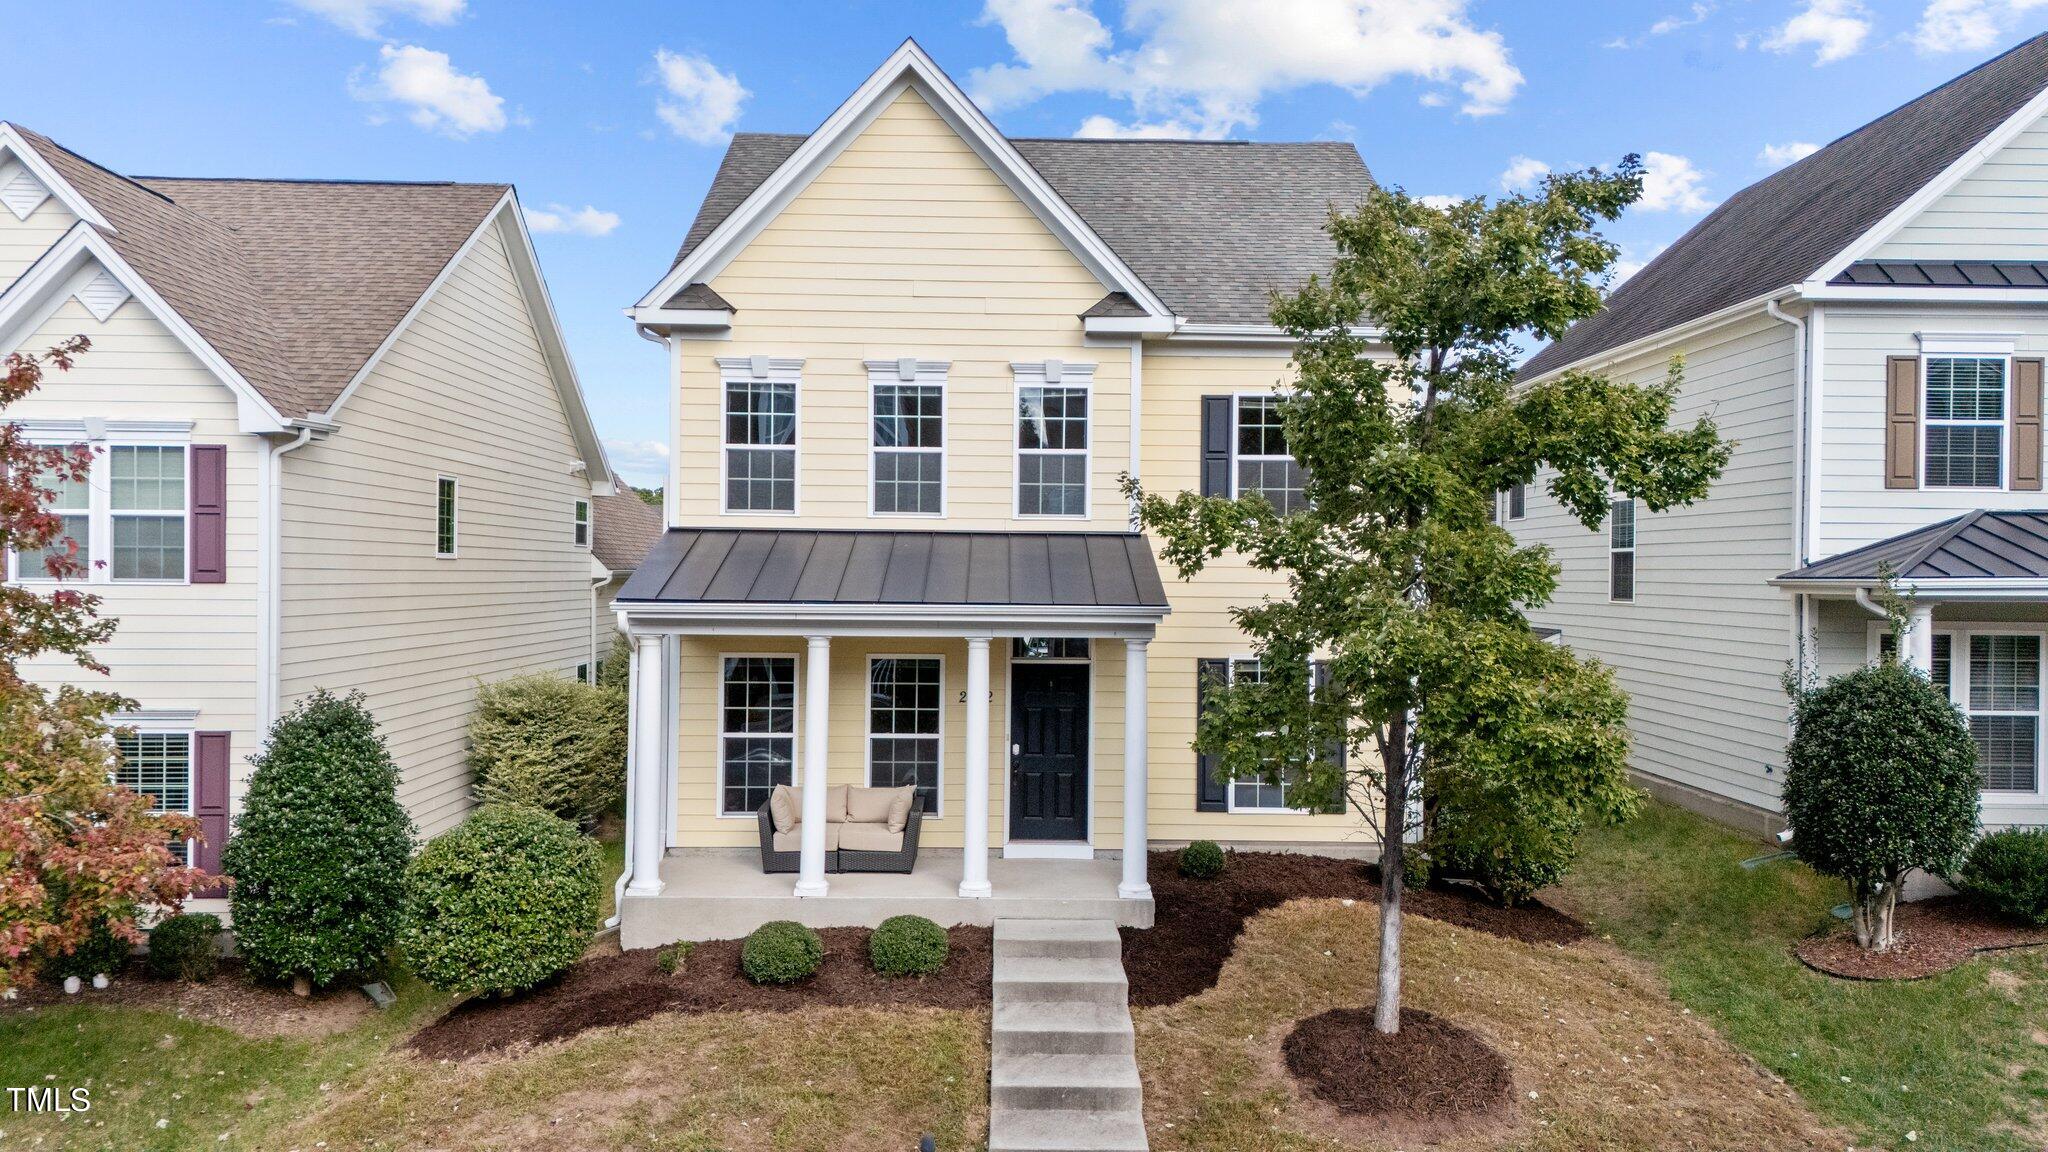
[[622, 528], [1785, 228], [1213, 227], [1976, 545], [295, 283]]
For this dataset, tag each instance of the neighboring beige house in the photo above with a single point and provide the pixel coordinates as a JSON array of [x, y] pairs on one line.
[[340, 445], [1868, 326], [909, 360]]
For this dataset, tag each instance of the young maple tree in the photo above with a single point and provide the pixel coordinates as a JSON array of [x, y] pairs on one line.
[[79, 853], [1397, 576]]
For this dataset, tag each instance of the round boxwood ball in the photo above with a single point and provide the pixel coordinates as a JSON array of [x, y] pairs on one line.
[[183, 947], [907, 946], [501, 902], [781, 952], [1201, 860], [2007, 873]]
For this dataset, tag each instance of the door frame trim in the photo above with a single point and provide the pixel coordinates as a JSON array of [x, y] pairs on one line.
[[1087, 840]]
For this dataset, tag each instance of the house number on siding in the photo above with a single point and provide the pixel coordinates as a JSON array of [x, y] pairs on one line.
[[991, 696]]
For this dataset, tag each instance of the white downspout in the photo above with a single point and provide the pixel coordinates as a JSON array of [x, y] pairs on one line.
[[270, 585], [1800, 490]]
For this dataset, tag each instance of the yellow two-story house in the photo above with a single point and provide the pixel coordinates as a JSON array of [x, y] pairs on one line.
[[909, 362]]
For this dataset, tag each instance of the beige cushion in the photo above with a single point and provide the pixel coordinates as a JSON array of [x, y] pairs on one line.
[[835, 803], [869, 805], [793, 841], [869, 838], [899, 807], [785, 808]]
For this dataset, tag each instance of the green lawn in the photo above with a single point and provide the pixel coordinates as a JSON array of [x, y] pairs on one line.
[[1960, 1060]]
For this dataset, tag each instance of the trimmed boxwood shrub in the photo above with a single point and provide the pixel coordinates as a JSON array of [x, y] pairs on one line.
[[908, 946], [781, 952], [545, 740], [183, 947], [2007, 874], [318, 853], [502, 901], [1201, 860]]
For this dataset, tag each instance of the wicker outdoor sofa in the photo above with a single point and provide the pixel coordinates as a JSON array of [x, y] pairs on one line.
[[851, 845]]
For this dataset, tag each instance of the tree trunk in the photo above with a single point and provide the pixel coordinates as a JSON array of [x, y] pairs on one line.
[[1386, 1017], [1887, 902]]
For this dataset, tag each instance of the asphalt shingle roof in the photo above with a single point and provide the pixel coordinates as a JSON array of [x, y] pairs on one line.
[[1213, 227], [1780, 230], [1976, 545], [623, 528]]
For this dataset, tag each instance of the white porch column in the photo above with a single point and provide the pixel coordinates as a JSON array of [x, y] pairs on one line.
[[1137, 705], [650, 687], [817, 689], [1919, 650], [974, 830]]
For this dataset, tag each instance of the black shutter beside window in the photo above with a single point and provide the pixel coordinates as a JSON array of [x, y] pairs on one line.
[[1318, 678], [1209, 782], [1217, 431]]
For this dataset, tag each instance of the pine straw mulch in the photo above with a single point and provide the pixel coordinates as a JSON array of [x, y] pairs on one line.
[[232, 1000], [1600, 1055], [1196, 922], [1934, 936]]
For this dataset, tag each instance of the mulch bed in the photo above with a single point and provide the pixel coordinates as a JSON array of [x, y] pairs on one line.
[[232, 1000], [1431, 1073], [1933, 937], [1196, 922], [621, 988]]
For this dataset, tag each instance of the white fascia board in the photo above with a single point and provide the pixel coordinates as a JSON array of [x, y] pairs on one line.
[[12, 143], [1917, 294], [691, 319], [1987, 590], [907, 67], [1189, 332], [1129, 325], [1958, 170], [55, 275], [886, 619], [1645, 344]]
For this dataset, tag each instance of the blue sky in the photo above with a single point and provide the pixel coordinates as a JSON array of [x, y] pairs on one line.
[[611, 118]]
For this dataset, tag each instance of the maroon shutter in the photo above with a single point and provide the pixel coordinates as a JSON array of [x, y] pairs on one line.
[[209, 514], [210, 801], [1217, 433]]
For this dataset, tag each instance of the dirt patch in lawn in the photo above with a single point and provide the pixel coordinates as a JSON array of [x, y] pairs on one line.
[[1933, 937], [231, 1000], [606, 990], [1429, 1081], [1196, 922]]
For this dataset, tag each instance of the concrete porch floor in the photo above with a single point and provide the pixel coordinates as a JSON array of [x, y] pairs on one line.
[[722, 894]]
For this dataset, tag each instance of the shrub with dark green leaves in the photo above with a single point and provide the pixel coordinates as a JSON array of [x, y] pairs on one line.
[[781, 952], [185, 947], [319, 850], [1201, 860], [545, 740], [502, 901], [1508, 851], [615, 671], [1880, 779], [2006, 873], [101, 952], [908, 946], [671, 958]]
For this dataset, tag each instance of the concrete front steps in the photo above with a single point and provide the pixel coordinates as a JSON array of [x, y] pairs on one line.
[[1063, 1075]]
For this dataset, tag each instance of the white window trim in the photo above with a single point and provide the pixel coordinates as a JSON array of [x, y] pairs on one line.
[[926, 373], [1959, 349], [1230, 804], [101, 436], [580, 523], [1051, 374], [1959, 633], [1635, 533], [719, 735], [758, 370], [454, 517], [1508, 502], [168, 723], [868, 749], [1237, 400]]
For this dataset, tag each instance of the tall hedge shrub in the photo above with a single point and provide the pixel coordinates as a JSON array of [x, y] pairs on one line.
[[545, 740], [318, 853]]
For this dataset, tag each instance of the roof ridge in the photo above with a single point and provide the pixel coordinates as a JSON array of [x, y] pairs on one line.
[[91, 163], [1941, 539], [325, 180]]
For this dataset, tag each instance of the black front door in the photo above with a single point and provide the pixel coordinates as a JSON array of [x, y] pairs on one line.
[[1048, 751]]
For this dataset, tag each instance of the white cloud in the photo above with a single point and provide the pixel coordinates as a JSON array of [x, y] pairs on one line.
[[1968, 25], [1835, 28], [441, 99], [1199, 68], [1779, 155], [703, 103], [1672, 184], [366, 17], [1441, 203], [1522, 174], [584, 221], [1697, 14], [642, 462]]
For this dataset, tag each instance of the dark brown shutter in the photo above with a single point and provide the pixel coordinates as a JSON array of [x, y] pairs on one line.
[[1209, 783], [1902, 422], [2026, 425], [1319, 678], [1217, 430], [209, 528], [210, 800]]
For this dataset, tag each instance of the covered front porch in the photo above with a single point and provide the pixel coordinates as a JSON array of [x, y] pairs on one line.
[[1004, 676]]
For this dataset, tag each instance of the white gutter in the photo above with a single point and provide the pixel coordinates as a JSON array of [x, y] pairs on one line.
[[269, 581]]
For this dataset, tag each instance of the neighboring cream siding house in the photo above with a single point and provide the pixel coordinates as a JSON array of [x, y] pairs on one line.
[[910, 363], [280, 374], [1866, 326]]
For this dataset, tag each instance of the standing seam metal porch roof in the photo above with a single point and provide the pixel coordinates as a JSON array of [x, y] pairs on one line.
[[1980, 545], [770, 566]]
